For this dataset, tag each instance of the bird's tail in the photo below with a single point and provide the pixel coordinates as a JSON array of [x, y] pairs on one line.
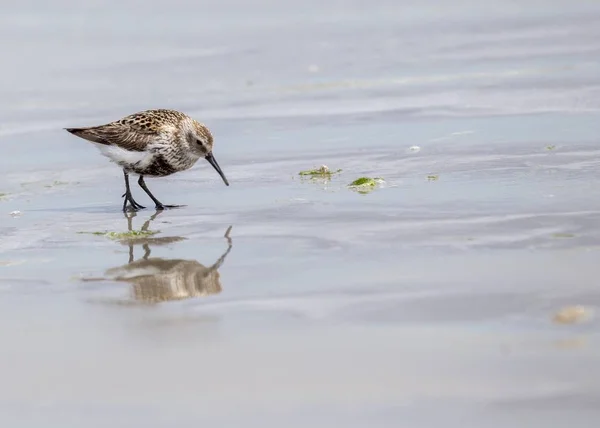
[[87, 134], [73, 131]]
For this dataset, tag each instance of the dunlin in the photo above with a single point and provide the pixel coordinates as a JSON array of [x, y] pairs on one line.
[[155, 143]]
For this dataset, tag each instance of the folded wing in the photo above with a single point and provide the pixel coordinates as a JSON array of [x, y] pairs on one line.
[[127, 136]]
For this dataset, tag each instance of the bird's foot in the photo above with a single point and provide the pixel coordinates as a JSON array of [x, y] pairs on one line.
[[160, 207], [133, 205], [133, 208]]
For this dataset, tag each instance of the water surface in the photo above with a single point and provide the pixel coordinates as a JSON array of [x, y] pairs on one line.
[[425, 302]]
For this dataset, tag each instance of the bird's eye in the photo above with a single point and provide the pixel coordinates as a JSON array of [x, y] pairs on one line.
[[199, 142]]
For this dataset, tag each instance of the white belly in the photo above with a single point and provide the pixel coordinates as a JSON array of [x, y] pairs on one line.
[[126, 158]]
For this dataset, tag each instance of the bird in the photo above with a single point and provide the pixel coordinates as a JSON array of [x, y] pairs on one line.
[[154, 143]]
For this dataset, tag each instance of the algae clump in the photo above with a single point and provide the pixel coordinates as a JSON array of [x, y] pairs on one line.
[[364, 181], [365, 184], [131, 234], [563, 235], [322, 172], [124, 235]]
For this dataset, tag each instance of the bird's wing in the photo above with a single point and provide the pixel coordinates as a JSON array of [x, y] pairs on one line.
[[133, 132], [128, 137]]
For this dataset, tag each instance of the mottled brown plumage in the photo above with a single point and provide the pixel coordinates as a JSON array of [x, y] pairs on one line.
[[153, 142]]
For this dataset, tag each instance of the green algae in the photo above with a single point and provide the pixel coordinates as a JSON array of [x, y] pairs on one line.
[[322, 172], [131, 234], [364, 181], [551, 147], [563, 235], [433, 177], [123, 235], [365, 185]]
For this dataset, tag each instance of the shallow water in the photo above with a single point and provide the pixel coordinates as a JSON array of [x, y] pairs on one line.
[[425, 302]]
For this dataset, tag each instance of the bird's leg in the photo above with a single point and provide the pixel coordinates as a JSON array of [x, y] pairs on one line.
[[159, 205], [147, 251], [128, 197], [142, 183]]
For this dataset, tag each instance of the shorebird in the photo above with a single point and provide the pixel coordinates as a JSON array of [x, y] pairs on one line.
[[153, 143]]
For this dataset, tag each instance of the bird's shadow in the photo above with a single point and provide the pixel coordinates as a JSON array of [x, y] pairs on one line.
[[155, 279]]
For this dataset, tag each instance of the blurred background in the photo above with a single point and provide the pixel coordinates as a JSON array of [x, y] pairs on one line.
[[460, 292]]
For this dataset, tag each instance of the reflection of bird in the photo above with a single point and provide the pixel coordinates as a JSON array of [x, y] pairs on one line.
[[156, 143], [157, 280], [145, 239]]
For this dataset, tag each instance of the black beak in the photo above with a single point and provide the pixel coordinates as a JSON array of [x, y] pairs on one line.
[[211, 160]]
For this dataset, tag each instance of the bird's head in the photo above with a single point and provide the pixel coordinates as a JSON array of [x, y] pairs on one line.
[[200, 141]]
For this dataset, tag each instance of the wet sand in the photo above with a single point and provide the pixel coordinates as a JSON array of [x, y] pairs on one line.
[[282, 301]]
